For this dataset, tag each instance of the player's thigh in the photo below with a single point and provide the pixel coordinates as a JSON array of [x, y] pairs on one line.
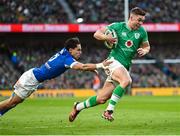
[[117, 71], [15, 99], [106, 92], [121, 75], [11, 102]]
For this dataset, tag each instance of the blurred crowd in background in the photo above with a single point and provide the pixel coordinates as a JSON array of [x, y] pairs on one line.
[[87, 11], [17, 59]]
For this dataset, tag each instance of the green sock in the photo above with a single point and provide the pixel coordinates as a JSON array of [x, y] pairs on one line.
[[117, 94], [90, 102]]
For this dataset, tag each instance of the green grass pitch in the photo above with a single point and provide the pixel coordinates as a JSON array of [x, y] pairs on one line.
[[134, 115]]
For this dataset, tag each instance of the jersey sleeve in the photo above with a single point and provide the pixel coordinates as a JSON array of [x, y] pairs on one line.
[[111, 26], [69, 62], [145, 36], [114, 26]]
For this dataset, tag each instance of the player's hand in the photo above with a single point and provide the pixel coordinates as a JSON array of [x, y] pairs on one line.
[[141, 52], [96, 72], [110, 39], [106, 63]]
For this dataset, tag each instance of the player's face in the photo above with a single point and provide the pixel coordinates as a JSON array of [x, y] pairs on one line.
[[76, 52], [136, 21]]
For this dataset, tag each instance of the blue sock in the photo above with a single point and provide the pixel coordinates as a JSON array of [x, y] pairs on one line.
[[4, 111]]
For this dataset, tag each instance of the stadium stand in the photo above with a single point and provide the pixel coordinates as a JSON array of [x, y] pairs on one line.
[[98, 11], [92, 11], [159, 11], [36, 11], [143, 75], [8, 73], [15, 58]]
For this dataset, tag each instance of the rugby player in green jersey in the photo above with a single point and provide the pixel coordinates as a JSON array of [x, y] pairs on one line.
[[131, 39]]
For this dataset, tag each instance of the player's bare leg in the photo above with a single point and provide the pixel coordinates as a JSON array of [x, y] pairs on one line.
[[10, 103], [122, 76], [103, 95]]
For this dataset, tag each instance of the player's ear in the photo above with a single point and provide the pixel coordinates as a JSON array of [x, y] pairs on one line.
[[131, 17], [70, 50]]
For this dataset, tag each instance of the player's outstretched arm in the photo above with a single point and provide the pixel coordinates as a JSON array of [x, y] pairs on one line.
[[90, 66]]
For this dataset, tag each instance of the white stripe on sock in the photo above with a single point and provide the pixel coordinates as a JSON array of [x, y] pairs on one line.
[[87, 103], [80, 106], [115, 98], [110, 107]]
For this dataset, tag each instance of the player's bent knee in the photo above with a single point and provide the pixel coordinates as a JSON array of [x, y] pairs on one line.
[[101, 100], [126, 82]]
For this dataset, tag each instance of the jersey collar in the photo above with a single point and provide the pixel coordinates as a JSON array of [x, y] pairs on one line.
[[126, 25]]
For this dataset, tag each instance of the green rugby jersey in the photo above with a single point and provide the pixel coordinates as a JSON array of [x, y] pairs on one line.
[[128, 42]]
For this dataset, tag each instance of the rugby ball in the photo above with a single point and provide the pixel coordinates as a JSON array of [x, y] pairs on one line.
[[114, 35]]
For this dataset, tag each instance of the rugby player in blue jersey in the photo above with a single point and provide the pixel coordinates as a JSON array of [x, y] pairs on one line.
[[55, 66]]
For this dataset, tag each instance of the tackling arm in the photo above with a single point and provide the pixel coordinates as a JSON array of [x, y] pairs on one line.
[[84, 67], [90, 66]]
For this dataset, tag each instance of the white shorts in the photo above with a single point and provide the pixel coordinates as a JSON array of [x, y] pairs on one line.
[[26, 84], [114, 65]]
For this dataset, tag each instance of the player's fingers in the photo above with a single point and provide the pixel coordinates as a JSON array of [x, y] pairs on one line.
[[110, 61], [107, 60], [139, 49], [141, 54], [114, 39], [96, 72]]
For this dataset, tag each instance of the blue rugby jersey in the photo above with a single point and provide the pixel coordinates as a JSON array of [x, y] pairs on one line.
[[55, 66]]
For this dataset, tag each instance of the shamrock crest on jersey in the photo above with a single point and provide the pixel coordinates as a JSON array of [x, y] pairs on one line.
[[137, 35]]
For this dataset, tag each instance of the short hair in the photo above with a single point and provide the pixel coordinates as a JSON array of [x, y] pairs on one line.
[[71, 43], [138, 11]]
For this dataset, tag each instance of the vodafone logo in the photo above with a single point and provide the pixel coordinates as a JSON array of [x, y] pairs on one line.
[[129, 43]]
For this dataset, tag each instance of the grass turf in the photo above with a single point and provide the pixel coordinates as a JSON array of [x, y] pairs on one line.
[[133, 115]]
